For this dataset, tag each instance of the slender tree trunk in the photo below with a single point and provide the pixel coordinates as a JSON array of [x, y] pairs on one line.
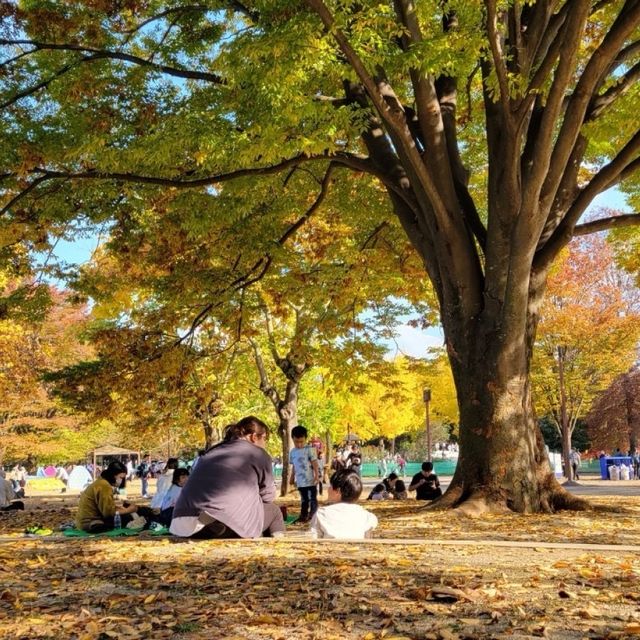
[[633, 440], [287, 412], [208, 433], [565, 428]]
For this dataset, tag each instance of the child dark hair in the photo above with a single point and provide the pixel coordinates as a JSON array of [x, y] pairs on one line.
[[379, 488], [109, 474], [392, 476], [427, 466], [172, 463], [177, 474], [299, 432], [400, 487], [348, 483]]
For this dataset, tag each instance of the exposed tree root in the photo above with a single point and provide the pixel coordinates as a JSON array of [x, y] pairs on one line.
[[477, 502], [561, 499], [451, 497]]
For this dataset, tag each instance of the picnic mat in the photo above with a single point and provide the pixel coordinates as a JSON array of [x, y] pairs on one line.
[[114, 533]]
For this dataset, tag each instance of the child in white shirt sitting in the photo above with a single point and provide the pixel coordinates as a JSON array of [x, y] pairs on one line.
[[343, 518]]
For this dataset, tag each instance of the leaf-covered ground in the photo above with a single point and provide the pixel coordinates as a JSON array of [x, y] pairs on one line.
[[290, 589]]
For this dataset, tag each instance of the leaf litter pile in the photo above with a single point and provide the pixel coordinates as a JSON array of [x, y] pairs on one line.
[[289, 589]]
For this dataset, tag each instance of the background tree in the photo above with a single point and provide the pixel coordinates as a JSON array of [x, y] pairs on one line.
[[42, 331], [104, 105], [614, 419], [588, 332]]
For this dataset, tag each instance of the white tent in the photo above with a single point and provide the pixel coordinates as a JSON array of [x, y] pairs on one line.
[[79, 478]]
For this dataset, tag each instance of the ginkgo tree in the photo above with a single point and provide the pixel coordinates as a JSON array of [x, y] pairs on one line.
[[588, 334], [386, 400], [103, 104]]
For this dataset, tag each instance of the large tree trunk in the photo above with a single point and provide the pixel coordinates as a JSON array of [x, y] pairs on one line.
[[503, 463]]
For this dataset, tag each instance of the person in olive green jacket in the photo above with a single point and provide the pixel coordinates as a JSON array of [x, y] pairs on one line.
[[97, 508]]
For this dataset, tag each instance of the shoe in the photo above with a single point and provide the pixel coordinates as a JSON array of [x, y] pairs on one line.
[[301, 520]]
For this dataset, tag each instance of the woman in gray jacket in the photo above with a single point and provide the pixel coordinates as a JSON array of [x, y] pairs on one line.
[[231, 491]]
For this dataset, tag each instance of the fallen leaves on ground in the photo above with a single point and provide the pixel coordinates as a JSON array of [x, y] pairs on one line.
[[276, 590], [134, 588]]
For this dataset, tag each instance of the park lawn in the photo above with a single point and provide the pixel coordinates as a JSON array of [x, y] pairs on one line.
[[290, 589]]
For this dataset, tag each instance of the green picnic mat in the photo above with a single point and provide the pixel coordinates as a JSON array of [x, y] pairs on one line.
[[115, 533]]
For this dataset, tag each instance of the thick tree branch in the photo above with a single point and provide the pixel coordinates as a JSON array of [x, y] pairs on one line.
[[600, 103], [534, 178], [22, 194], [265, 386], [630, 51], [43, 174], [547, 31], [271, 338], [591, 78], [622, 165], [605, 224], [391, 113], [498, 59]]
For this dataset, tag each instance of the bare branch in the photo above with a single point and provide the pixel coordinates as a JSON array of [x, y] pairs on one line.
[[102, 54], [43, 84], [324, 188], [163, 14]]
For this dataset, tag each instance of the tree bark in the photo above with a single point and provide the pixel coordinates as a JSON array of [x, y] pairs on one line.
[[503, 463], [287, 411], [565, 427]]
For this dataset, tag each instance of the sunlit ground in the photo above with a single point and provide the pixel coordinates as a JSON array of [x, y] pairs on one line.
[[290, 589]]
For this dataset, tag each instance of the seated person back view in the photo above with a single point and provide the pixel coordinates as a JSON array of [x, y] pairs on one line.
[[426, 483], [97, 508], [399, 491], [230, 492], [8, 496], [378, 493], [343, 518]]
